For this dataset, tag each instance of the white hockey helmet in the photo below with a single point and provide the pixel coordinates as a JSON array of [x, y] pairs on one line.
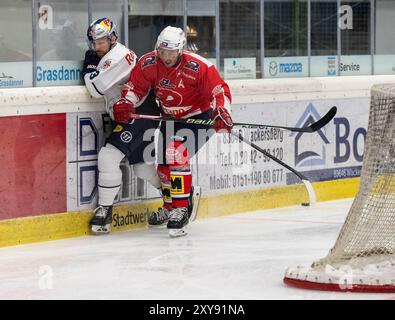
[[171, 38], [101, 28]]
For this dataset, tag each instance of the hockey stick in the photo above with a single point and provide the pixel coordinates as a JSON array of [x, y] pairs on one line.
[[312, 128], [306, 182]]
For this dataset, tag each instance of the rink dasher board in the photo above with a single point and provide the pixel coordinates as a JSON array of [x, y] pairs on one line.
[[233, 183], [226, 165]]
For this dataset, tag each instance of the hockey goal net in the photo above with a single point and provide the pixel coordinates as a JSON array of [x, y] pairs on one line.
[[363, 257]]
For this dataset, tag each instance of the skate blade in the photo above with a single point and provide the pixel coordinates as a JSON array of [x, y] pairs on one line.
[[98, 230], [175, 233], [196, 199]]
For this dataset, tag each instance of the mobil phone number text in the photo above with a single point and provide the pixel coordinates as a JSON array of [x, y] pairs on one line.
[[243, 180]]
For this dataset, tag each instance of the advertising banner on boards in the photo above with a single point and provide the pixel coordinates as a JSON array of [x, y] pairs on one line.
[[334, 152]]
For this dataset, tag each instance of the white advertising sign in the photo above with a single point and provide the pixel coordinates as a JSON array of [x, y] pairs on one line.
[[355, 65], [334, 152], [323, 66], [285, 67], [384, 64], [240, 68], [57, 73], [16, 74]]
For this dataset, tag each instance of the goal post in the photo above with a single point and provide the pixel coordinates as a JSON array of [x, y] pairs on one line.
[[363, 257]]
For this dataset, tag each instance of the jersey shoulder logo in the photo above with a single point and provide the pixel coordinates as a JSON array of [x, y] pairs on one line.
[[192, 65], [106, 64], [148, 61]]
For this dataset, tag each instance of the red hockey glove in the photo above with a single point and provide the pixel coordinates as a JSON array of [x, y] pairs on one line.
[[123, 110], [223, 120]]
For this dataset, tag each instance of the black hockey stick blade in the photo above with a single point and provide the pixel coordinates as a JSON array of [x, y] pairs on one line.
[[312, 128], [324, 120]]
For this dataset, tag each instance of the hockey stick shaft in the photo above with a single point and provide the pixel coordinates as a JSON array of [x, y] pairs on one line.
[[208, 122], [267, 154], [306, 182], [312, 128]]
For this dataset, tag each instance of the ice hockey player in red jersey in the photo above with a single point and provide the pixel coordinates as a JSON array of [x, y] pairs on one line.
[[186, 85]]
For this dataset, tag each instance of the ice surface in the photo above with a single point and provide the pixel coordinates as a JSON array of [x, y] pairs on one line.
[[241, 256]]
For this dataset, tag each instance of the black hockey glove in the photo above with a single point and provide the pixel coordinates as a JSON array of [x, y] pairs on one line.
[[90, 62]]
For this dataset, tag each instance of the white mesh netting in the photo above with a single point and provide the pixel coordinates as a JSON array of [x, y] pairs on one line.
[[363, 257]]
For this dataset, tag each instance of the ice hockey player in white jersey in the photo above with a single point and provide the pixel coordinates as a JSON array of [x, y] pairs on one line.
[[104, 77], [106, 67]]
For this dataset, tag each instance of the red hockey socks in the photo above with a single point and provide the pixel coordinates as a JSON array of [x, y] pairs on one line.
[[180, 173]]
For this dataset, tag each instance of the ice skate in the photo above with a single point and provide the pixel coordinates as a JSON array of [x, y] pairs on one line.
[[101, 221], [159, 218], [179, 218]]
